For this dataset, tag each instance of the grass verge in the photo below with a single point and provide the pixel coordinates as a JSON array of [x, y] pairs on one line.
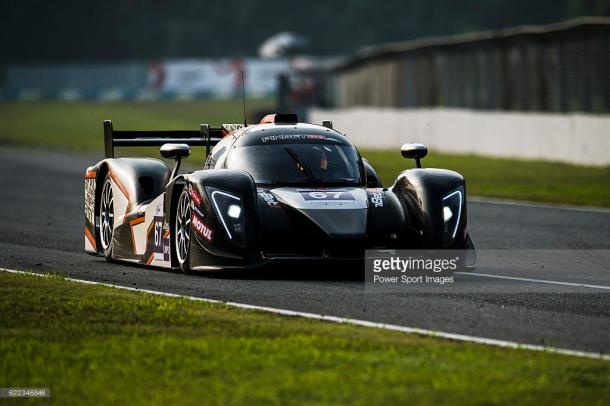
[[92, 344], [77, 126], [550, 182]]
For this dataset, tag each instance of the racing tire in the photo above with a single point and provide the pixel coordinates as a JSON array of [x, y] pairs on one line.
[[183, 231], [106, 212]]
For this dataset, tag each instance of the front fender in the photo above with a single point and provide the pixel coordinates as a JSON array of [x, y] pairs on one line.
[[421, 193], [217, 247]]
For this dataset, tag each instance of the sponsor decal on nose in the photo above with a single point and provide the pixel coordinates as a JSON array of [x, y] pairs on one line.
[[376, 199], [195, 195], [201, 228], [270, 199]]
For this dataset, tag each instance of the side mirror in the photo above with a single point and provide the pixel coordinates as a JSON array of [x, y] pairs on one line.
[[177, 152], [414, 151]]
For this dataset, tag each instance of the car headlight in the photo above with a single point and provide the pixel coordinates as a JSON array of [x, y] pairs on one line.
[[452, 213], [230, 211]]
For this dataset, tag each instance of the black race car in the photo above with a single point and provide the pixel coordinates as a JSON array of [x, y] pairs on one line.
[[279, 190]]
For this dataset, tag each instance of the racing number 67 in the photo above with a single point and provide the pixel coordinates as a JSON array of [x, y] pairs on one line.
[[158, 233], [325, 195]]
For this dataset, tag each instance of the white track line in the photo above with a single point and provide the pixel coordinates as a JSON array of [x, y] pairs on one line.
[[356, 322], [516, 278], [525, 203]]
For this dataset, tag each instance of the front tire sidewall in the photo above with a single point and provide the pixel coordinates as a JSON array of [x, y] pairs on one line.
[[107, 250], [185, 264]]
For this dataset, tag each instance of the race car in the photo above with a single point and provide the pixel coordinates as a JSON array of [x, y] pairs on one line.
[[279, 190]]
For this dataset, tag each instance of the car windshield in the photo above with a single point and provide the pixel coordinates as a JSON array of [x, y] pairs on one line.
[[298, 163]]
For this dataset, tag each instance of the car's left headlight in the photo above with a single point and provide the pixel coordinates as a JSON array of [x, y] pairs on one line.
[[452, 213], [230, 211]]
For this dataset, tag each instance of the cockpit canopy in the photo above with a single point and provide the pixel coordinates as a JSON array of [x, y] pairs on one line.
[[299, 163]]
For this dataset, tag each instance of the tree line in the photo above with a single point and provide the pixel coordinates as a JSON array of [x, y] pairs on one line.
[[111, 30]]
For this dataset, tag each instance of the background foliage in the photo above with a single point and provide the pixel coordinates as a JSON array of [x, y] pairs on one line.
[[76, 30]]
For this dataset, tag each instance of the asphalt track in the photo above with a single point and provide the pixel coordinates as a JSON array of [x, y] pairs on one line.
[[41, 222]]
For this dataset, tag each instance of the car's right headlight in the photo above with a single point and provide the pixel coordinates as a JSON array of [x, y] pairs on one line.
[[230, 211], [452, 213]]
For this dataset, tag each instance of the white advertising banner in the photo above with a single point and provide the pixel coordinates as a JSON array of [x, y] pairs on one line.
[[217, 77]]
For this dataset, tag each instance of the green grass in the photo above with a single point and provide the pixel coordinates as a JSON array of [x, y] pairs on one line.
[[510, 178], [92, 344], [77, 126]]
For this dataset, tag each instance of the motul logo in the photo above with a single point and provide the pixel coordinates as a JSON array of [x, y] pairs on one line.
[[201, 229]]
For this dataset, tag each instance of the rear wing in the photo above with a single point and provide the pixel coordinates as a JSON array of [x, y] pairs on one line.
[[206, 136]]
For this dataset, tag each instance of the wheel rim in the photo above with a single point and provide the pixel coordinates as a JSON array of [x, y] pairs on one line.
[[106, 215], [183, 227]]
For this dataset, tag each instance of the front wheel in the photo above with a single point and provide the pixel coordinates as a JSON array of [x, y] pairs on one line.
[[182, 231], [107, 218]]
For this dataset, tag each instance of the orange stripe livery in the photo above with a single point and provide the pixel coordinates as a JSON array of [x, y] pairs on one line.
[[123, 190], [90, 238], [133, 223]]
